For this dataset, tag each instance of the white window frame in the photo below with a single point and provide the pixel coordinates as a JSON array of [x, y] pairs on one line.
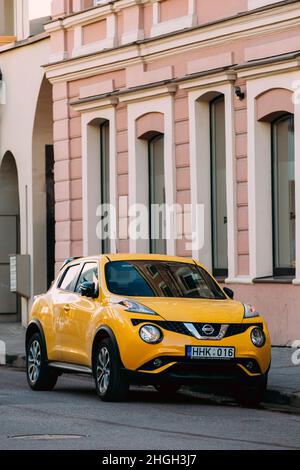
[[259, 178], [91, 175], [138, 155], [199, 112]]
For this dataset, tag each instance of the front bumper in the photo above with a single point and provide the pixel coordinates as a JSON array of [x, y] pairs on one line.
[[139, 358], [188, 371]]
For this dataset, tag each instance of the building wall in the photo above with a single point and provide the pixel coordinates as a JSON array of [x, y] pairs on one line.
[[122, 60], [23, 94]]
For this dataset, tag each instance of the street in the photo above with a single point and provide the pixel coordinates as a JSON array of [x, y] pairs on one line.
[[72, 417]]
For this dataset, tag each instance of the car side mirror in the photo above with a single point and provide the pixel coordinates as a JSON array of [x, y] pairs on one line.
[[88, 289], [229, 292]]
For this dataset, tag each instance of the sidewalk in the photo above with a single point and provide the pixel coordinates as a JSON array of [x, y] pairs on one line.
[[284, 377]]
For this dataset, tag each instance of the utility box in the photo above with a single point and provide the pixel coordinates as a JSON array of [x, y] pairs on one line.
[[20, 275]]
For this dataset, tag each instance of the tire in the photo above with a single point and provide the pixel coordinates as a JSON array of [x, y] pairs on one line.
[[39, 376], [251, 394], [111, 383], [167, 390]]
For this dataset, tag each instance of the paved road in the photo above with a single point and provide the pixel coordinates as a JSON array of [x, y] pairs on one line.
[[144, 421]]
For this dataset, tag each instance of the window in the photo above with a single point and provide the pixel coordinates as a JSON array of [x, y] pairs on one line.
[[104, 176], [181, 280], [218, 187], [157, 196], [69, 278], [89, 273], [284, 212]]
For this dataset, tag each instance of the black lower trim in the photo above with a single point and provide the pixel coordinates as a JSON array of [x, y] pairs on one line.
[[188, 371]]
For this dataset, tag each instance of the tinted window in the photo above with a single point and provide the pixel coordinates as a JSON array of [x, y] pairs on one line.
[[89, 273], [161, 279], [69, 278]]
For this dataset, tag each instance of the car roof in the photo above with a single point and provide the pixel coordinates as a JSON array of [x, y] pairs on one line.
[[152, 257], [133, 257]]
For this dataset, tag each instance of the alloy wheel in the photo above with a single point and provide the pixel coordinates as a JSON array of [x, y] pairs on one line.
[[103, 370], [34, 361]]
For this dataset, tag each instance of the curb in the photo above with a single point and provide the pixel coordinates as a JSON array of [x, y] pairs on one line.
[[278, 397], [272, 397], [17, 361]]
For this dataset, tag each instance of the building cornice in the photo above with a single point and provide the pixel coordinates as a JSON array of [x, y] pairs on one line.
[[262, 22]]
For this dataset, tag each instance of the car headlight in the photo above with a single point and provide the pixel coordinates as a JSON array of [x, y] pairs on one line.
[[258, 337], [136, 307], [151, 334], [250, 312]]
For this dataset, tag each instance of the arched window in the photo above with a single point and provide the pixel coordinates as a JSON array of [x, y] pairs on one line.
[[283, 192], [218, 187], [104, 177], [157, 196]]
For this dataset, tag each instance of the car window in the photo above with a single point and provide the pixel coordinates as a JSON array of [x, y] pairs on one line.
[[69, 278], [89, 273], [160, 279]]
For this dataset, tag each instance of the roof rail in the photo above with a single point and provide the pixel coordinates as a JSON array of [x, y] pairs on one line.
[[67, 261]]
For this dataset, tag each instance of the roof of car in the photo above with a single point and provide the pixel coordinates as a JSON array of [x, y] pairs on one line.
[[122, 256], [128, 256]]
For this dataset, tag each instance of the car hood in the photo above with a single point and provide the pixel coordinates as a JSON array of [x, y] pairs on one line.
[[195, 310]]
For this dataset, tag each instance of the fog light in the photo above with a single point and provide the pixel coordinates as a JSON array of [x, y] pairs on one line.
[[258, 337], [249, 365], [157, 362]]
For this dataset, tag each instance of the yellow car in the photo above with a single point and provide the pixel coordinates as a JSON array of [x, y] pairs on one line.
[[145, 319]]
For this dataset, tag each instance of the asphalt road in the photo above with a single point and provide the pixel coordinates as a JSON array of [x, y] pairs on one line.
[[72, 417]]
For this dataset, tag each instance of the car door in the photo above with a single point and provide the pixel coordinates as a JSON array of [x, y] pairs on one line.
[[76, 315], [63, 297]]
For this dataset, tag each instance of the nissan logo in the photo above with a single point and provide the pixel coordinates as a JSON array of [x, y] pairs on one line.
[[208, 330]]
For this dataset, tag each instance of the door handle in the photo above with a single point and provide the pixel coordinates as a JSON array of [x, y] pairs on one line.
[[67, 308]]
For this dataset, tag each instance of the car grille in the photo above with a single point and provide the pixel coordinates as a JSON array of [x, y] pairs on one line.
[[179, 327]]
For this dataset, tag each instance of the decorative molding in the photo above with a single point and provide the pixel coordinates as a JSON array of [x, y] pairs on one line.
[[262, 22], [94, 104]]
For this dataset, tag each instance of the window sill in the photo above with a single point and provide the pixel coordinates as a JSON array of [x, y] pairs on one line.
[[220, 279], [274, 280]]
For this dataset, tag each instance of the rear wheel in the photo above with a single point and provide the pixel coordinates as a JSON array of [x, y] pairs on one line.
[[111, 383], [251, 393], [39, 376], [167, 390]]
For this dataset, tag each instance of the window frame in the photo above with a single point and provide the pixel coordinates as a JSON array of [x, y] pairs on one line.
[[217, 272], [151, 178], [105, 175], [84, 263], [63, 275], [278, 272]]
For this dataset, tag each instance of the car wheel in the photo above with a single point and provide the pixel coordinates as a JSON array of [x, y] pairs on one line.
[[111, 384], [167, 390], [39, 376], [252, 393]]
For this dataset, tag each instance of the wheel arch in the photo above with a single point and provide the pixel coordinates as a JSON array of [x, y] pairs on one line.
[[35, 327], [104, 332]]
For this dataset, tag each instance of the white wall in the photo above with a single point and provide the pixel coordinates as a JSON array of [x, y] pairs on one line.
[[23, 75]]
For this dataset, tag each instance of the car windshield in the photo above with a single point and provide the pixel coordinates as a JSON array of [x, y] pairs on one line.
[[149, 278]]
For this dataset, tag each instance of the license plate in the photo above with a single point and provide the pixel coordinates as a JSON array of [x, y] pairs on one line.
[[210, 352]]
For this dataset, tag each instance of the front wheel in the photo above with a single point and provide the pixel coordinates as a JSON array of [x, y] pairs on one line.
[[39, 376], [111, 383], [251, 393]]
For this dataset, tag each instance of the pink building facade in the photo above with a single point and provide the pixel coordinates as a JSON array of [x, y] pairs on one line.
[[187, 102]]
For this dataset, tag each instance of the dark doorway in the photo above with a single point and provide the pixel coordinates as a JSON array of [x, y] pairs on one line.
[[50, 203]]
